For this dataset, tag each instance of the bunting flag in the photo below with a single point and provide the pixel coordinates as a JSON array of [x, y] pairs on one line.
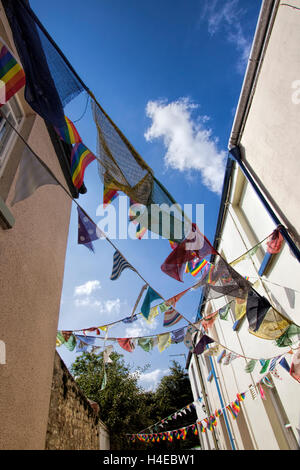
[[12, 76], [146, 343], [81, 157], [209, 321], [164, 341], [171, 317], [223, 312], [256, 309], [119, 264], [273, 327], [32, 174], [283, 362], [87, 230], [250, 366], [286, 338], [275, 242], [201, 345], [190, 334], [178, 336], [150, 296], [241, 396], [106, 355], [229, 358], [265, 365], [127, 344], [69, 133], [194, 267], [295, 366], [194, 243]]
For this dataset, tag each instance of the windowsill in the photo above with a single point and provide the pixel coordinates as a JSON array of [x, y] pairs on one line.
[[7, 220]]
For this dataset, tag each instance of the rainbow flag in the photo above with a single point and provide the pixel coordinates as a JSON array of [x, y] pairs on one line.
[[240, 396], [12, 75], [195, 267], [110, 192], [69, 133], [81, 157]]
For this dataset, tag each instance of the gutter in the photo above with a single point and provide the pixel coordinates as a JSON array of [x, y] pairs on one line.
[[260, 41]]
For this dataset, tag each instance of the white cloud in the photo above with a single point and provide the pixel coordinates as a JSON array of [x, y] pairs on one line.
[[87, 289], [190, 145], [225, 17], [140, 328], [150, 380]]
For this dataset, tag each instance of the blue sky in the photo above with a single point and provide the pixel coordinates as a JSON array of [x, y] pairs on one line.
[[169, 74]]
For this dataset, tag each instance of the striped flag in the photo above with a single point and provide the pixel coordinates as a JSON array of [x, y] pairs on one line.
[[171, 317], [81, 157], [12, 76], [69, 133], [119, 264], [195, 267]]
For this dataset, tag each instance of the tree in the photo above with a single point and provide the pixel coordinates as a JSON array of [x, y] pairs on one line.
[[128, 409], [124, 406]]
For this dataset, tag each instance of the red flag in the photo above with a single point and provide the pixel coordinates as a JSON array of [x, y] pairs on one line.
[[295, 366], [126, 344], [274, 242], [195, 244]]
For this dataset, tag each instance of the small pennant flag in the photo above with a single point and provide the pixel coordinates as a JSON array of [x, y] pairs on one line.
[[119, 264], [81, 157], [69, 133], [12, 76], [250, 366], [171, 317], [32, 175], [87, 230]]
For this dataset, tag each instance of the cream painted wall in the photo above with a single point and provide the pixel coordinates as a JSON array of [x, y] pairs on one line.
[[271, 138], [237, 238]]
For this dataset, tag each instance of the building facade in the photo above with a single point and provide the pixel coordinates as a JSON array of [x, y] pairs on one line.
[[259, 193], [33, 240]]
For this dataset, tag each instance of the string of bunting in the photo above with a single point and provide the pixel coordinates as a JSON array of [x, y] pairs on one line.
[[220, 277], [208, 423]]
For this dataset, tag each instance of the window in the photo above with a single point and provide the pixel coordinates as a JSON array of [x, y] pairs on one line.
[[13, 113]]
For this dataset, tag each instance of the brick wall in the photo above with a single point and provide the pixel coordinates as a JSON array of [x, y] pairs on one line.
[[73, 422]]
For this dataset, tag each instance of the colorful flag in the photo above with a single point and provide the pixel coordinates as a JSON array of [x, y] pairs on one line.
[[295, 366], [119, 264], [81, 157], [184, 252], [12, 76], [149, 298], [110, 191], [195, 267], [250, 366], [274, 242], [32, 175], [171, 317], [69, 133]]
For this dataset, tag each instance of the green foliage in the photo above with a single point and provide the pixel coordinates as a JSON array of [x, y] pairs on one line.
[[127, 408]]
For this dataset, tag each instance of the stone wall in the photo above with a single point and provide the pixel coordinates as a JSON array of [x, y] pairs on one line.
[[74, 422]]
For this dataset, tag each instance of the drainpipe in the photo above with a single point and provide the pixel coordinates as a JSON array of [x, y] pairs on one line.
[[205, 399], [222, 405]]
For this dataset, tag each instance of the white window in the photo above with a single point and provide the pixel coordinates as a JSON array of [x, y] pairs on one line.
[[13, 112]]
